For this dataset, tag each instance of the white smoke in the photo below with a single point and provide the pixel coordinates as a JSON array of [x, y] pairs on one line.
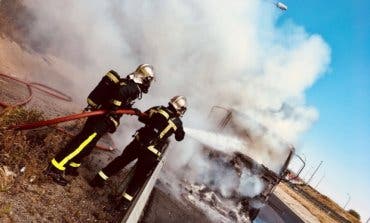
[[229, 53], [218, 141], [250, 185], [220, 175]]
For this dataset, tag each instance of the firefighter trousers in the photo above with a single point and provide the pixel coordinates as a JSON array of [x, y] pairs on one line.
[[82, 144], [146, 162]]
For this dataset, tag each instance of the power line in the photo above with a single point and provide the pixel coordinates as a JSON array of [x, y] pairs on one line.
[[320, 181], [313, 174]]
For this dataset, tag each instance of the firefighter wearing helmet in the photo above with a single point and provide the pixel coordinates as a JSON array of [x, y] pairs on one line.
[[143, 76], [112, 93], [147, 146]]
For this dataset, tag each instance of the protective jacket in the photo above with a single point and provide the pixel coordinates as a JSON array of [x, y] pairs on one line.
[[160, 123], [99, 97], [122, 98], [113, 93]]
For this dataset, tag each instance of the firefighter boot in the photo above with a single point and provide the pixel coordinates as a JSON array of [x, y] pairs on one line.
[[123, 205], [97, 182], [124, 202], [56, 175]]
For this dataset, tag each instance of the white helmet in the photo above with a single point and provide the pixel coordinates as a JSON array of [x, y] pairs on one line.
[[180, 104], [143, 75]]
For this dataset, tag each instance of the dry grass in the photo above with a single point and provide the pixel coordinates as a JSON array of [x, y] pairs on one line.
[[329, 203], [315, 210], [5, 209], [7, 178], [25, 150]]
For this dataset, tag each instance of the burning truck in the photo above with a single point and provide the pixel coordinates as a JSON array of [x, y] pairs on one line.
[[239, 180]]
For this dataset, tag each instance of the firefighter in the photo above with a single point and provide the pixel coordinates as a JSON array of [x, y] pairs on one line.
[[112, 93], [160, 123]]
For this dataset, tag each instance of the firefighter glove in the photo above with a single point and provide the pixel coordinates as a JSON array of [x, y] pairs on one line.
[[112, 123]]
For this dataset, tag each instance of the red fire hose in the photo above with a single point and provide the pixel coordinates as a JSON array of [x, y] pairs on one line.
[[5, 105], [52, 92], [38, 124], [57, 94]]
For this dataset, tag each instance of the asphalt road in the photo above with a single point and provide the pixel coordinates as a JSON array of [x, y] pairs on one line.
[[268, 215]]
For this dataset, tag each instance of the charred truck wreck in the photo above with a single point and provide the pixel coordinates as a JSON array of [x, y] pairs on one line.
[[262, 173]]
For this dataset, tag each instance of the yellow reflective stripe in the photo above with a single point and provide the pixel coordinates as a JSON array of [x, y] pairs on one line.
[[57, 165], [102, 175], [117, 103], [112, 77], [114, 121], [172, 124], [73, 164], [164, 113], [169, 126], [90, 102], [122, 83], [154, 150], [77, 151], [127, 196]]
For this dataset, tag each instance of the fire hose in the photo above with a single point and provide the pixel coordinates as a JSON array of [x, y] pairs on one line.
[[42, 123], [57, 94], [52, 92], [49, 122]]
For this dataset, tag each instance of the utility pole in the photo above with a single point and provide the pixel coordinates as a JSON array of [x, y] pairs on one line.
[[307, 172], [349, 198], [313, 174], [320, 181]]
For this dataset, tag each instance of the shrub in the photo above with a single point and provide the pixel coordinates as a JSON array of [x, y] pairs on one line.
[[354, 213]]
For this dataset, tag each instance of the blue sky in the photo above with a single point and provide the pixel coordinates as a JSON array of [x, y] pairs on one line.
[[341, 136]]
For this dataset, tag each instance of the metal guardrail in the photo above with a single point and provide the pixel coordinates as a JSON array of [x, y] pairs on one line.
[[134, 212]]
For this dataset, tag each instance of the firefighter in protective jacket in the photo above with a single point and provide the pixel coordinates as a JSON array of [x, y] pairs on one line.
[[160, 123], [112, 93]]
